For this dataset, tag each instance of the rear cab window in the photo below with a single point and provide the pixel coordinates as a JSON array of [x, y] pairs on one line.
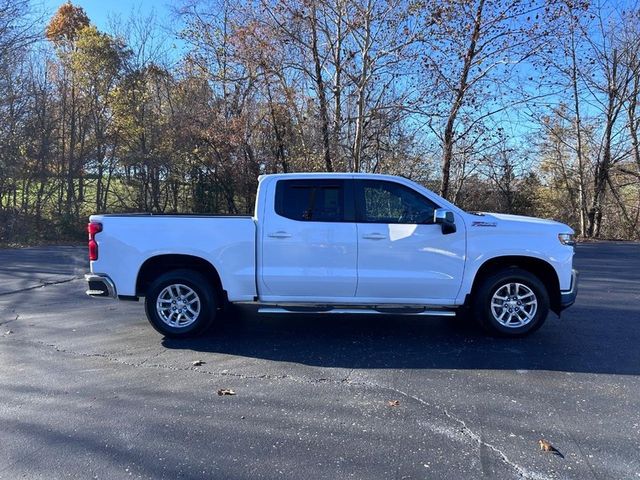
[[308, 200]]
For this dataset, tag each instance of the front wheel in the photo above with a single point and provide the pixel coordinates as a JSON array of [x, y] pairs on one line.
[[511, 303], [180, 303]]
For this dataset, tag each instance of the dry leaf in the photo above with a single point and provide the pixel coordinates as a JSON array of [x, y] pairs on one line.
[[226, 391], [546, 446], [393, 403], [198, 363]]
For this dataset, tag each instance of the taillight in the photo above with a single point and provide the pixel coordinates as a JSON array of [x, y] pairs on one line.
[[93, 228]]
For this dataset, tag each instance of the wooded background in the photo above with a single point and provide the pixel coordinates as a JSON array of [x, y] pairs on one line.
[[526, 107]]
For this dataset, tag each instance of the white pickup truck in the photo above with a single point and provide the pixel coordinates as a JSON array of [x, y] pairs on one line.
[[337, 243]]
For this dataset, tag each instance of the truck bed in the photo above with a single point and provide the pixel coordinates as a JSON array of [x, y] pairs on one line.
[[129, 240]]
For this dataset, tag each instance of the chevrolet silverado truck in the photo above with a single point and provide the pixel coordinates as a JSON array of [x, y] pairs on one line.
[[337, 243]]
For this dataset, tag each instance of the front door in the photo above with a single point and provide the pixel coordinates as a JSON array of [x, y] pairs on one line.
[[309, 243], [402, 255]]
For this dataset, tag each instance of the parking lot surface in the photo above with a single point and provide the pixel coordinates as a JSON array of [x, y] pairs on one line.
[[89, 390]]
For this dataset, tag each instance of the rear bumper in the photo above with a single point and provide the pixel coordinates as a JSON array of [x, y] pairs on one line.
[[568, 297], [100, 286]]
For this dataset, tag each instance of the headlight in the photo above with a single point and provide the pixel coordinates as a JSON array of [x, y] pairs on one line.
[[567, 239]]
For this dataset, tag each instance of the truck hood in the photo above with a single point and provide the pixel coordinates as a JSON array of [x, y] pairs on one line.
[[496, 219]]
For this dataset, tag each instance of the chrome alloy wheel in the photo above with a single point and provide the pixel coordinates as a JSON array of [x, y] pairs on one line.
[[178, 305], [514, 305]]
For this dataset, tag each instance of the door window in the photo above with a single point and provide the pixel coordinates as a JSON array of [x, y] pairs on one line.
[[311, 200], [389, 202]]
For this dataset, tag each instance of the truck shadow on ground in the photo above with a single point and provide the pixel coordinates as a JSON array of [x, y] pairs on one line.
[[599, 334], [579, 342]]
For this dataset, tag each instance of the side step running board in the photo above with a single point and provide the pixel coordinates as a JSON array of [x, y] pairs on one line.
[[360, 311]]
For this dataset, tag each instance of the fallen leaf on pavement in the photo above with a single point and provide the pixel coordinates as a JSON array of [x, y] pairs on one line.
[[226, 391], [393, 403], [546, 446]]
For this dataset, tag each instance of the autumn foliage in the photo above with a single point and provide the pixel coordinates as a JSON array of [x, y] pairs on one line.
[[64, 26], [525, 107]]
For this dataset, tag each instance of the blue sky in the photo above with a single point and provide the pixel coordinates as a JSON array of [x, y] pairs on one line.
[[99, 11], [103, 14]]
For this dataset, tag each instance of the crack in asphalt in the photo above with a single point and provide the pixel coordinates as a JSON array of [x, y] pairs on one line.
[[41, 285], [452, 433], [151, 358], [469, 433], [144, 363], [10, 321], [503, 457]]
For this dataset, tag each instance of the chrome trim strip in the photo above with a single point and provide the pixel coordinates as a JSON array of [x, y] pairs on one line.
[[359, 311]]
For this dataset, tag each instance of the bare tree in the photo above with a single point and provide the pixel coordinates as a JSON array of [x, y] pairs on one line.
[[609, 85], [471, 49]]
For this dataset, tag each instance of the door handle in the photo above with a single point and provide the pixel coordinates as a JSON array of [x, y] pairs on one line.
[[279, 234], [374, 236]]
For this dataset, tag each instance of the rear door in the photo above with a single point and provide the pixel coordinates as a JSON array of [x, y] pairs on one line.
[[403, 256], [309, 243]]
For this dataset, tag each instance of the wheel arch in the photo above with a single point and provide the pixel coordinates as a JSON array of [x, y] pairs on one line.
[[157, 265], [538, 267]]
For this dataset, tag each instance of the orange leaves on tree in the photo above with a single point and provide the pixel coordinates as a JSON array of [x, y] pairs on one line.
[[65, 24]]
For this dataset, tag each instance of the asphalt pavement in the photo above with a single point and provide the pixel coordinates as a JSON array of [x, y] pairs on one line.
[[89, 390]]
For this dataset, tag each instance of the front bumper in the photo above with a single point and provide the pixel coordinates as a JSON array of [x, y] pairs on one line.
[[568, 297], [100, 286]]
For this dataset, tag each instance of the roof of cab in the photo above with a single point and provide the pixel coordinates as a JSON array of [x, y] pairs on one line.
[[325, 175]]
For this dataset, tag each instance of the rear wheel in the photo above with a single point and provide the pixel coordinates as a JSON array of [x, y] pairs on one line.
[[511, 303], [180, 303]]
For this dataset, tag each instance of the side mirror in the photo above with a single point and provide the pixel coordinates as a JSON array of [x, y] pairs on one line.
[[446, 219]]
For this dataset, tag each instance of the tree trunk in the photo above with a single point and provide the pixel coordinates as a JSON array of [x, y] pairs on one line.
[[594, 216], [322, 97], [362, 92], [582, 195], [280, 147], [337, 84], [449, 131], [633, 121]]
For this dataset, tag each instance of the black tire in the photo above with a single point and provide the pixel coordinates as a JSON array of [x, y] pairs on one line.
[[507, 280], [166, 320]]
